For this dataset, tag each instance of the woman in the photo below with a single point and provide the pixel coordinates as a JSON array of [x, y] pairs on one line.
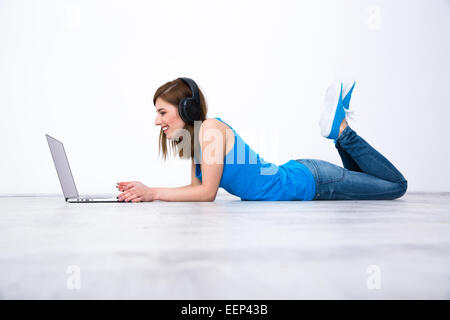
[[228, 162]]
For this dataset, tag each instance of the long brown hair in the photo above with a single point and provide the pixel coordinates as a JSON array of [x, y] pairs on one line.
[[173, 92]]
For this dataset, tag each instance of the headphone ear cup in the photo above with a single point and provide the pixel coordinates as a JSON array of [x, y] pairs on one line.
[[189, 107], [193, 110], [188, 110], [183, 110]]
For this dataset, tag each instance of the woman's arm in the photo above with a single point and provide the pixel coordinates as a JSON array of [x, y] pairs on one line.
[[185, 193], [135, 191], [212, 142], [194, 180]]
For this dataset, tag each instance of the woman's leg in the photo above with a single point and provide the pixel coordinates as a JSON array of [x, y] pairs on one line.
[[347, 160], [379, 181], [337, 183], [368, 159]]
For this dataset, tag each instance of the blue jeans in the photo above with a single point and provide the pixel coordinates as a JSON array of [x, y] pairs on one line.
[[367, 175]]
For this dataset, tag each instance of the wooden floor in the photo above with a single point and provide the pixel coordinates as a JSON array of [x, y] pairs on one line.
[[228, 249]]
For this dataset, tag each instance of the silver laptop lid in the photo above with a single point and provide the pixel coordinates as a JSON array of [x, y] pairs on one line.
[[62, 168]]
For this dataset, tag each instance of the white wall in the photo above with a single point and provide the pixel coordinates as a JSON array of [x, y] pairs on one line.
[[86, 71]]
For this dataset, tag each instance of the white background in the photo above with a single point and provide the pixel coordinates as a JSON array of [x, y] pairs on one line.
[[85, 72]]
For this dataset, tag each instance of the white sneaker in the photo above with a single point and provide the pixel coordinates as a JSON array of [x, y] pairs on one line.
[[336, 108], [333, 112]]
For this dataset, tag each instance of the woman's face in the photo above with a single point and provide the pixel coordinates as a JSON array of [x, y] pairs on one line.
[[167, 117]]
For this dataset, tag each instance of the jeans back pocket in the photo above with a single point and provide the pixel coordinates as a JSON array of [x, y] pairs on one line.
[[328, 172]]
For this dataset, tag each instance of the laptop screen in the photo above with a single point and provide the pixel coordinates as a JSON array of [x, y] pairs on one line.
[[62, 167]]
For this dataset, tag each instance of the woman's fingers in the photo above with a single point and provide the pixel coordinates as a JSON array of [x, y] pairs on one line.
[[131, 197], [123, 196], [129, 191], [123, 186]]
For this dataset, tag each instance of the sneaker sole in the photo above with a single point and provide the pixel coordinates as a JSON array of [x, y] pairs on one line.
[[331, 104]]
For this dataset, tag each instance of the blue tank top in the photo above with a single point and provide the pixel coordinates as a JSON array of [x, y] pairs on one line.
[[248, 176]]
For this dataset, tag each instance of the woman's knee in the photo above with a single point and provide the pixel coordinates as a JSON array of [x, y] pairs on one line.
[[403, 187]]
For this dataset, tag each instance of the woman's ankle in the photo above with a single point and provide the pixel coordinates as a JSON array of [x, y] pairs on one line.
[[344, 125]]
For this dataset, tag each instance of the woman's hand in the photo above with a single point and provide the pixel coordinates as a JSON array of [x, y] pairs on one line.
[[135, 191]]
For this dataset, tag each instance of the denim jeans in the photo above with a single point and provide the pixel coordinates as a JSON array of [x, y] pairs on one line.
[[367, 175]]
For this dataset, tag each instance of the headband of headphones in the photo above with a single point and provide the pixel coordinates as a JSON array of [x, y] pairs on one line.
[[189, 108]]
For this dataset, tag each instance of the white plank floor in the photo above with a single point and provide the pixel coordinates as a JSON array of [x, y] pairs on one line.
[[228, 249]]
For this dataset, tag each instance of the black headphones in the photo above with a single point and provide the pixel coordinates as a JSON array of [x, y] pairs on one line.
[[189, 108]]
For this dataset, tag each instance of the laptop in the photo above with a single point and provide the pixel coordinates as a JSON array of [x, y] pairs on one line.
[[65, 175]]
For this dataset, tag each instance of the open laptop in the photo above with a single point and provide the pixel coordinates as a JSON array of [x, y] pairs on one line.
[[65, 174]]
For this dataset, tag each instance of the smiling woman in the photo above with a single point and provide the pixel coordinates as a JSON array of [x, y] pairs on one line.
[[221, 158], [179, 104], [167, 99]]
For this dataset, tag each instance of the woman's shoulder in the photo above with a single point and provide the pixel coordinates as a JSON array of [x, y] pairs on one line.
[[214, 123], [225, 130]]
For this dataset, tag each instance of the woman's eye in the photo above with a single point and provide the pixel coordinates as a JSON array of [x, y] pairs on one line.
[[162, 113]]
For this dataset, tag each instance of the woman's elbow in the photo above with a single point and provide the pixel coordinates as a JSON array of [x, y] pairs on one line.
[[211, 196]]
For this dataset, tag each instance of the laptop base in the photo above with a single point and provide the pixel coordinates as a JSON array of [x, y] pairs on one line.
[[90, 200]]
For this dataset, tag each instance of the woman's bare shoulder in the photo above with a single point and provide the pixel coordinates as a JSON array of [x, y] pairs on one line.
[[215, 123], [226, 131]]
